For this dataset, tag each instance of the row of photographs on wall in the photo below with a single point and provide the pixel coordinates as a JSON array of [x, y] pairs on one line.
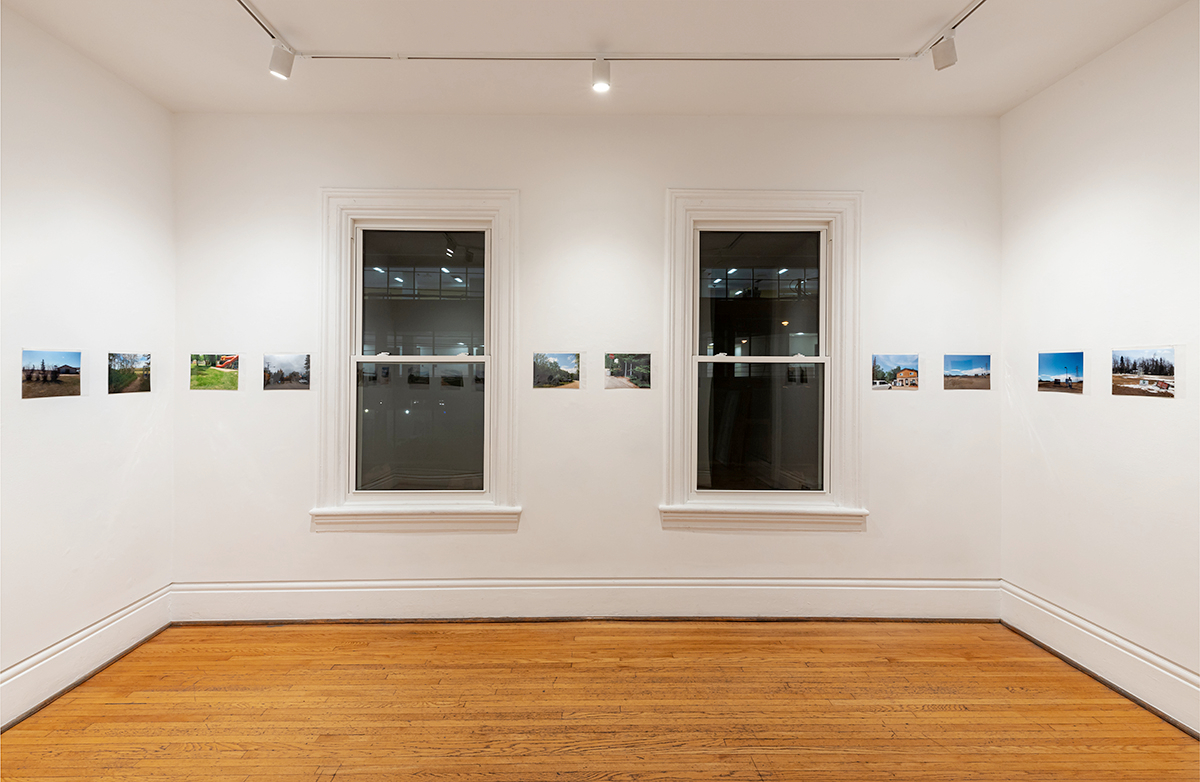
[[566, 370], [46, 373], [1137, 372]]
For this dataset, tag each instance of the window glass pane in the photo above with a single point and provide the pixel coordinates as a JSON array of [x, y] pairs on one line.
[[759, 293], [420, 427], [761, 427], [423, 293]]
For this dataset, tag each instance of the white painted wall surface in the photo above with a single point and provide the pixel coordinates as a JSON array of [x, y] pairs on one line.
[[1100, 202], [86, 499], [592, 236]]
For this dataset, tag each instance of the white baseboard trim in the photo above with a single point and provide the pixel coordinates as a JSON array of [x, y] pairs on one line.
[[1164, 685], [26, 685], [596, 597]]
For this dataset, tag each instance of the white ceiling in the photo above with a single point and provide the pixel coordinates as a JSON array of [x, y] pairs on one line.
[[211, 56]]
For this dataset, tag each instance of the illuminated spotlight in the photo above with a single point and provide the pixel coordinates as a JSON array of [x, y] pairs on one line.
[[601, 75], [281, 62]]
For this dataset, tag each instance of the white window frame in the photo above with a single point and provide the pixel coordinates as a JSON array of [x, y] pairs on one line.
[[339, 506], [839, 506]]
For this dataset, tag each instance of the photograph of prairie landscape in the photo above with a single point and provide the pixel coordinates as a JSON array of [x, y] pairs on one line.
[[285, 371], [556, 370], [128, 372], [959, 372], [1062, 372], [894, 372], [214, 372], [1144, 372], [626, 370], [49, 373]]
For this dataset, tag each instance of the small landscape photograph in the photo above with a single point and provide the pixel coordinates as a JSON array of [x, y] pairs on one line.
[[894, 372], [50, 373], [966, 372], [1144, 372], [286, 371], [128, 372], [1061, 372], [214, 372], [556, 370], [626, 370]]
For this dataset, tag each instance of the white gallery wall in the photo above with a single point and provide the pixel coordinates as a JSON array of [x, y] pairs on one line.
[[1101, 493], [86, 499], [591, 249]]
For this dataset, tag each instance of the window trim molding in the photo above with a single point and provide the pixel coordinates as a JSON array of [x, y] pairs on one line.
[[841, 506], [337, 508]]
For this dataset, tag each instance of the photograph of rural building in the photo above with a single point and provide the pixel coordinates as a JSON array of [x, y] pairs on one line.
[[49, 373], [1144, 372], [128, 372], [1062, 372], [966, 372], [214, 372], [626, 370], [894, 371], [556, 370], [286, 371]]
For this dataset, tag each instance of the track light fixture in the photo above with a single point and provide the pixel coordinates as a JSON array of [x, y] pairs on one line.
[[281, 61], [944, 53], [601, 75]]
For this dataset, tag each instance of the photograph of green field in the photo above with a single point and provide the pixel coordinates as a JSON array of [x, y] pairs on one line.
[[46, 373], [214, 372], [128, 372]]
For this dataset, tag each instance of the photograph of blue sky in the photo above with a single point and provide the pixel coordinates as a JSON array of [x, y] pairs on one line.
[[568, 361], [1165, 354], [32, 359], [966, 366], [890, 361], [1060, 366]]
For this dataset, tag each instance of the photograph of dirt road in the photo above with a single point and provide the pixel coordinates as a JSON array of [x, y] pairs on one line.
[[1061, 372], [214, 372], [1144, 372], [966, 372], [47, 373], [626, 370], [556, 370], [128, 372], [284, 371]]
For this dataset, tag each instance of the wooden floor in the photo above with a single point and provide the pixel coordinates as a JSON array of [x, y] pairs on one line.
[[602, 700]]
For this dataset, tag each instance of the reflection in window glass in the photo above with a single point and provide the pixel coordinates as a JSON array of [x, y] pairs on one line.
[[761, 427], [420, 427], [759, 293], [423, 293]]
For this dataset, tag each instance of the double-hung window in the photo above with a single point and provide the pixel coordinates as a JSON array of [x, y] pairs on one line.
[[416, 396], [763, 409]]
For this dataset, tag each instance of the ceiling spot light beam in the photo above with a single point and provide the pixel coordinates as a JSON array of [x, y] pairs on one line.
[[601, 75]]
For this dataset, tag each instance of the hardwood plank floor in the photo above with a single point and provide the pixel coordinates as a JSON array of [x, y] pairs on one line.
[[518, 702]]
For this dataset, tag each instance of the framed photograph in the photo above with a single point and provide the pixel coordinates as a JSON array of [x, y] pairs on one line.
[[966, 372], [128, 373], [1061, 372], [214, 372], [50, 373], [1144, 372], [626, 370], [556, 370], [894, 372], [286, 371]]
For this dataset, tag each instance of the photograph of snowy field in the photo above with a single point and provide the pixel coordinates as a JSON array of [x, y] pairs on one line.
[[1144, 372], [959, 372], [1062, 372]]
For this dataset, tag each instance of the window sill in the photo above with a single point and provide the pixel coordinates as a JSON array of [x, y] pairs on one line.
[[758, 518], [490, 518]]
